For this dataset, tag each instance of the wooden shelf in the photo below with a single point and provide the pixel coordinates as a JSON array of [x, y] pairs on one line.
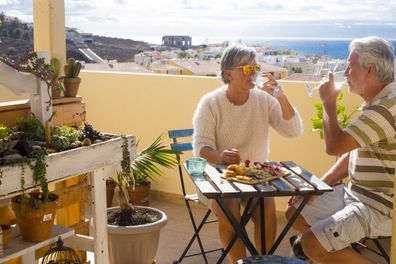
[[18, 247], [99, 161]]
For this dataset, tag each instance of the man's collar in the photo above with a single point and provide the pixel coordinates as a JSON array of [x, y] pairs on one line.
[[384, 92]]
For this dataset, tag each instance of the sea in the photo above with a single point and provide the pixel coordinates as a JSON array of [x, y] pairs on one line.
[[335, 49]]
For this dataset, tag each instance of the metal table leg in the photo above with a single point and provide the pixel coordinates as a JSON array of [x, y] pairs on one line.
[[249, 209], [289, 224], [240, 231]]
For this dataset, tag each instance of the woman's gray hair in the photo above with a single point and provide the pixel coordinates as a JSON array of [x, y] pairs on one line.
[[379, 52], [235, 55]]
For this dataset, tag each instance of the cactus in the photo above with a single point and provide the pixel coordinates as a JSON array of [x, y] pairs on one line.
[[54, 65], [72, 68]]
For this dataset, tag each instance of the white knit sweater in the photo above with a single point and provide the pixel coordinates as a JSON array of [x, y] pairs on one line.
[[222, 125]]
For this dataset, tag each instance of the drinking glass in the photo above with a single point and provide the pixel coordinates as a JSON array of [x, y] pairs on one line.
[[323, 73], [196, 166], [260, 79]]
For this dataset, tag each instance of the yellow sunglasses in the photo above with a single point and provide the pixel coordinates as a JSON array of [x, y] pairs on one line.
[[248, 69]]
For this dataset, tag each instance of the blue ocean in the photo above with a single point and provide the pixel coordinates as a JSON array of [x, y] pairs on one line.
[[335, 49]]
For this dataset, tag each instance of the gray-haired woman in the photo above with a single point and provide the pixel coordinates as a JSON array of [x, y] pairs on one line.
[[232, 124]]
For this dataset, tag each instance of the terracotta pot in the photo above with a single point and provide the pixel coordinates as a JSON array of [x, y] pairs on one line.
[[134, 244], [7, 216], [56, 93], [35, 224], [139, 195], [71, 86], [110, 185], [6, 231]]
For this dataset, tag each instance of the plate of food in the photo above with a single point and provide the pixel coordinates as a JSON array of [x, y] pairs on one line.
[[254, 172]]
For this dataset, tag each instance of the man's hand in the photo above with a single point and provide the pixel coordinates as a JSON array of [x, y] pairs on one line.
[[294, 199], [327, 89], [230, 156]]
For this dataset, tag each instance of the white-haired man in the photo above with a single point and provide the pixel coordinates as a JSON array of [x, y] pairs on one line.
[[367, 151]]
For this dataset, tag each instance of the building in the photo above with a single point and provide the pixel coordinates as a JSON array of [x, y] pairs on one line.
[[197, 67], [276, 71], [114, 66], [176, 41]]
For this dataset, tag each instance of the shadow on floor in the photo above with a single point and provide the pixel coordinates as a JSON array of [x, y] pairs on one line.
[[176, 234]]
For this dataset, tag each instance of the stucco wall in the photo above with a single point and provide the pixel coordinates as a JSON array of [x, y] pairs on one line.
[[147, 105]]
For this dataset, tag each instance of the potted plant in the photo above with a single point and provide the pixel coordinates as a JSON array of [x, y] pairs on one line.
[[343, 118], [71, 79], [133, 228], [144, 169], [31, 63], [35, 211]]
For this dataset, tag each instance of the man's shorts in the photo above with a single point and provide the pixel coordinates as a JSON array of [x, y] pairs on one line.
[[338, 219]]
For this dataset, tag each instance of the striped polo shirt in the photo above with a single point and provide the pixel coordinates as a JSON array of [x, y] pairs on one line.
[[372, 165]]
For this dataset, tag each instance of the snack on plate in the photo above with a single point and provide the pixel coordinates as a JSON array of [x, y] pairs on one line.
[[229, 173], [239, 169], [244, 178]]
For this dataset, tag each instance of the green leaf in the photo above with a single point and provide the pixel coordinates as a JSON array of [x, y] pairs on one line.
[[343, 118]]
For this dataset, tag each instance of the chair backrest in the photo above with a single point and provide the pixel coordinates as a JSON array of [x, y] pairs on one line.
[[179, 137]]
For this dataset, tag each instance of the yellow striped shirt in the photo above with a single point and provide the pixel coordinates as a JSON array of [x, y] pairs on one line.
[[372, 165]]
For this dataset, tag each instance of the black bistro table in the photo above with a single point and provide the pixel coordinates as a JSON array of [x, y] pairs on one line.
[[298, 182]]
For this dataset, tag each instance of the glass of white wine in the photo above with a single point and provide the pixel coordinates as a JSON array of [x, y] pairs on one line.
[[323, 73], [260, 79]]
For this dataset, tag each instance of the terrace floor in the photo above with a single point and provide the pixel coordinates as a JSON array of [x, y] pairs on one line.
[[176, 234]]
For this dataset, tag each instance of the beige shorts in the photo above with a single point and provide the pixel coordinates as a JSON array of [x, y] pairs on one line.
[[338, 219]]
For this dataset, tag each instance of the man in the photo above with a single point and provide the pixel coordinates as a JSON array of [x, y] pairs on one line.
[[367, 151]]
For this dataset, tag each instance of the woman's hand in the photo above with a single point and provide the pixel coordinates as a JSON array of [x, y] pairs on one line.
[[270, 85], [230, 156]]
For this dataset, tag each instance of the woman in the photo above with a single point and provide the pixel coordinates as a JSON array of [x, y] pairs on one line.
[[231, 124]]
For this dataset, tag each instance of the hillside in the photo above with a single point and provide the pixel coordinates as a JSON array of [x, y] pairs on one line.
[[16, 39], [119, 49], [122, 50]]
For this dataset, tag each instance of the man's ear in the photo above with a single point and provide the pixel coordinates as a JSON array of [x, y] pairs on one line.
[[372, 69]]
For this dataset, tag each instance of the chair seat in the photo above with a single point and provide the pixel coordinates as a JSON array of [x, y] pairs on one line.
[[192, 197]]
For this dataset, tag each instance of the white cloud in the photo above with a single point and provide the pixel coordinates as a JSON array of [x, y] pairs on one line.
[[220, 18]]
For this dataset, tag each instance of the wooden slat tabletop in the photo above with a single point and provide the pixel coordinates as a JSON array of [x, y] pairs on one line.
[[298, 182]]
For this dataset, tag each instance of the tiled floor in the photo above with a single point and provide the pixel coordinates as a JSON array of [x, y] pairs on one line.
[[176, 234]]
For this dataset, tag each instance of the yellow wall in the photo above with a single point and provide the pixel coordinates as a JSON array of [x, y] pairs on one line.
[[147, 105]]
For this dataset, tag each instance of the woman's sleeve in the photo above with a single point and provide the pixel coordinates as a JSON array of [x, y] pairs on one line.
[[204, 126], [287, 128]]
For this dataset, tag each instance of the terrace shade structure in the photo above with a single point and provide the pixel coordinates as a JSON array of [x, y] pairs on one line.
[[137, 105]]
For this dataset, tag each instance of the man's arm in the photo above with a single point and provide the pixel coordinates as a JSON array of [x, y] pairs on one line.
[[338, 142], [338, 171]]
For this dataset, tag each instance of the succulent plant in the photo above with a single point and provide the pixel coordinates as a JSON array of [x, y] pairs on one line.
[[55, 68], [63, 137], [72, 68]]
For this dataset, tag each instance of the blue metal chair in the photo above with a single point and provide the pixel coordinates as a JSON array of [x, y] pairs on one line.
[[379, 249], [184, 135]]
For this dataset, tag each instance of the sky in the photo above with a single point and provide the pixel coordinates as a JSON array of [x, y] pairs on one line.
[[210, 21]]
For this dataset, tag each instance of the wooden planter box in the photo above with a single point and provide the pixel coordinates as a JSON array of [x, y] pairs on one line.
[[98, 160]]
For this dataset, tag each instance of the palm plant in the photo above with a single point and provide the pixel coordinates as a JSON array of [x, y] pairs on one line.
[[147, 165]]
